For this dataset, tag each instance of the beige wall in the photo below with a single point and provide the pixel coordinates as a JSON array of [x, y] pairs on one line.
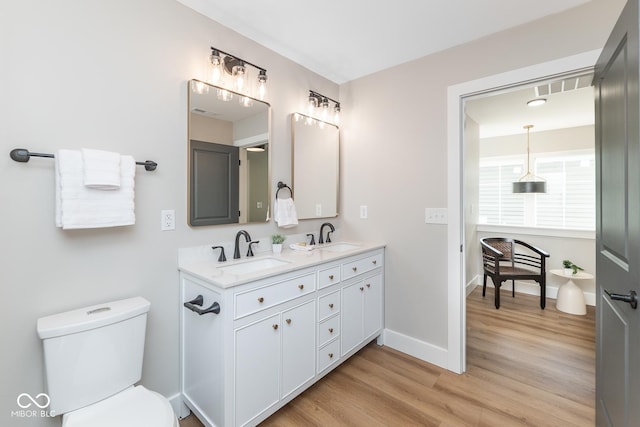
[[208, 129], [575, 138], [395, 153], [110, 75]]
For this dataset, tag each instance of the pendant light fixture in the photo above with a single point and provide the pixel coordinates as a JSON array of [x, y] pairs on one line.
[[529, 183]]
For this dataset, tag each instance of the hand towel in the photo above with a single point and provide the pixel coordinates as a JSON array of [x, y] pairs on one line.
[[284, 213], [101, 169], [78, 206]]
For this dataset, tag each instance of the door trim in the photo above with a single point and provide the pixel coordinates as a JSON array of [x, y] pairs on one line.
[[456, 352]]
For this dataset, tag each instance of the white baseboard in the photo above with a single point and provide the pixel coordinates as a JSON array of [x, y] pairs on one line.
[[179, 408], [471, 285], [422, 350], [532, 288]]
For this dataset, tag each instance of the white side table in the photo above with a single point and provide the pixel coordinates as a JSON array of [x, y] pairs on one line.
[[570, 296]]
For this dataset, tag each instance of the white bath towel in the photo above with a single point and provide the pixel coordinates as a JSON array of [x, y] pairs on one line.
[[284, 213], [78, 206], [101, 169]]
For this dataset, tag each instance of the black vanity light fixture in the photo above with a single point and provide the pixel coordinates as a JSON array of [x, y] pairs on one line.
[[223, 63], [320, 102], [529, 183]]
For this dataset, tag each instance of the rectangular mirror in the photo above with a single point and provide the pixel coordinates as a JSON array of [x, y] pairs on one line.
[[229, 161], [316, 166]]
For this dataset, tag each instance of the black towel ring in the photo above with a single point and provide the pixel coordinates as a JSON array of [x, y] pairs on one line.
[[282, 185]]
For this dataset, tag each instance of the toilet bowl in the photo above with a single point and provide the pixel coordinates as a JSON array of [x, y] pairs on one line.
[[93, 358], [135, 406]]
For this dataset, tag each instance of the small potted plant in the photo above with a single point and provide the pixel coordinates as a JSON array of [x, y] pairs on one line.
[[276, 243], [570, 268]]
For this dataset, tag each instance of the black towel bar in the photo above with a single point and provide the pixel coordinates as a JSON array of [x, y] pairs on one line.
[[23, 155]]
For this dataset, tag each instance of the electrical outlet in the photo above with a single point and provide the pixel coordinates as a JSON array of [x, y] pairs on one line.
[[318, 210], [167, 220], [435, 215], [363, 212], [259, 205]]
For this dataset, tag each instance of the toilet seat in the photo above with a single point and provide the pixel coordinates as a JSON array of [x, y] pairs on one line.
[[135, 407]]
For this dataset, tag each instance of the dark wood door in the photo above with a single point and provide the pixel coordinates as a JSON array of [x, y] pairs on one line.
[[618, 226]]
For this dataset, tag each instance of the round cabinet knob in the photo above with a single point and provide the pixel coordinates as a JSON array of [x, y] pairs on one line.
[[275, 327], [330, 330], [331, 305], [288, 321], [260, 300], [368, 285], [331, 277], [374, 262], [301, 287], [330, 355], [354, 269], [362, 289]]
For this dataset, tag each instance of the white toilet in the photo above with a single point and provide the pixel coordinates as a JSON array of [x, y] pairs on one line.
[[93, 358]]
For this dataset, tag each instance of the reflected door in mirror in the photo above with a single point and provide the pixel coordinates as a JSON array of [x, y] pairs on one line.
[[214, 184]]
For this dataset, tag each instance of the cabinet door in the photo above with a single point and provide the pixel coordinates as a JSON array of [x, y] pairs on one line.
[[352, 316], [257, 367], [372, 305], [298, 346]]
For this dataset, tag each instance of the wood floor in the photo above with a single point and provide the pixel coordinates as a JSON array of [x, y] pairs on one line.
[[525, 367]]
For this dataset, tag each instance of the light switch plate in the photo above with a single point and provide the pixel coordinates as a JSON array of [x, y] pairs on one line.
[[364, 214], [435, 215]]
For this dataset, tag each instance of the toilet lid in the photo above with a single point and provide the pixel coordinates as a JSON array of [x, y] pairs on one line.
[[135, 406]]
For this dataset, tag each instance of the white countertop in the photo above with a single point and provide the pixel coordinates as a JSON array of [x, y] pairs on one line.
[[211, 271]]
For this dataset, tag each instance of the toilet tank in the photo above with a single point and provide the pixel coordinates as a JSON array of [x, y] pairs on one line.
[[92, 353]]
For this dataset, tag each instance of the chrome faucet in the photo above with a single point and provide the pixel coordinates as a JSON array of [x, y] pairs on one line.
[[320, 238], [247, 238]]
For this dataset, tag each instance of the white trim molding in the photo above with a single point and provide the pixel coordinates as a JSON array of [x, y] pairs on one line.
[[456, 354], [414, 347]]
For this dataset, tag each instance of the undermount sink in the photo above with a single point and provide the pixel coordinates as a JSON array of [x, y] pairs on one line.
[[253, 265], [340, 247]]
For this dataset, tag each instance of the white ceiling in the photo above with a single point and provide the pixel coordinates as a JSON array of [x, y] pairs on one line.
[[570, 103], [343, 40]]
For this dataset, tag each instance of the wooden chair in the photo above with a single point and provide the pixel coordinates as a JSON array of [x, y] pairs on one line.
[[510, 259]]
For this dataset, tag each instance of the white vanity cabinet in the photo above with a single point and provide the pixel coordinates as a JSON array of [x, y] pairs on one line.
[[277, 350], [276, 335], [361, 311]]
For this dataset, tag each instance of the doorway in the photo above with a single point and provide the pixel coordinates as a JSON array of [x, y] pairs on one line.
[[456, 234]]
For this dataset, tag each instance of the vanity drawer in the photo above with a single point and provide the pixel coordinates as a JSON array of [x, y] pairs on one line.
[[328, 330], [328, 355], [328, 277], [328, 305], [258, 299], [361, 266]]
